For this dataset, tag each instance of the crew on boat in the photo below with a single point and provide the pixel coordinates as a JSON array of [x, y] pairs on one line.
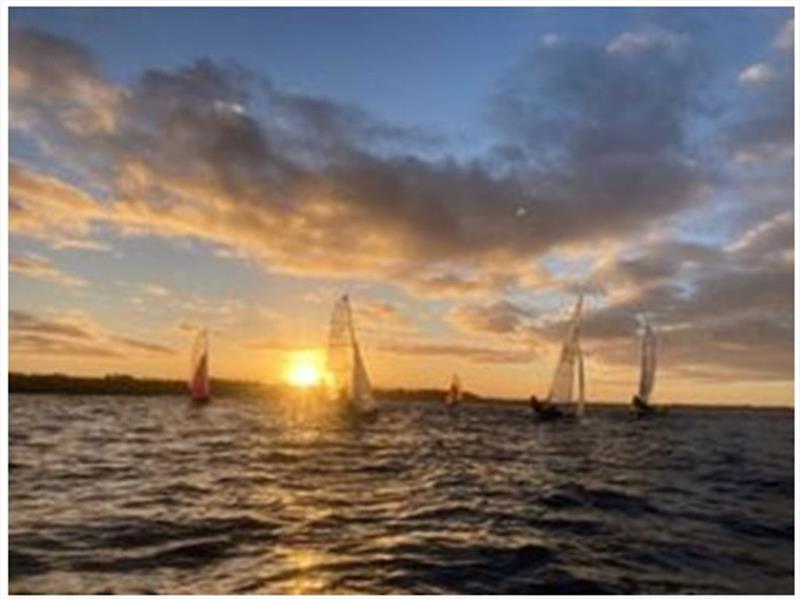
[[543, 409], [638, 404]]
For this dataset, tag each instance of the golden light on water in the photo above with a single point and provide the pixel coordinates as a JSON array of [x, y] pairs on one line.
[[306, 369]]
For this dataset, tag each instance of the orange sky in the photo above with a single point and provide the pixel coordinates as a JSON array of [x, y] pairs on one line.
[[156, 186]]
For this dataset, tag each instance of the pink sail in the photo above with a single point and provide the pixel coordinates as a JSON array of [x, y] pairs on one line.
[[199, 385]]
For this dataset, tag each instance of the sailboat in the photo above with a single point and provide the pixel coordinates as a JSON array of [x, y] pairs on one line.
[[199, 383], [560, 401], [453, 396], [640, 404], [349, 379]]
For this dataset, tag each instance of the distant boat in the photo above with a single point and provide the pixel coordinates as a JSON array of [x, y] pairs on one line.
[[640, 404], [350, 381], [453, 396], [560, 401], [199, 383]]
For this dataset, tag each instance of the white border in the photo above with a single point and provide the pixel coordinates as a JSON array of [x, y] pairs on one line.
[[4, 154]]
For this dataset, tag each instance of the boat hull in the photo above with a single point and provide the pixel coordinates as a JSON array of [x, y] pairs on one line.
[[551, 413], [638, 411]]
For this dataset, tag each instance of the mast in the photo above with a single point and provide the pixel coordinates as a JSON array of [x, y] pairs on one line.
[[581, 383]]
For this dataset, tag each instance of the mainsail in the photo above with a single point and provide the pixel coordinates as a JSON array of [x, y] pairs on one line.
[[350, 380], [648, 375], [199, 385], [561, 391]]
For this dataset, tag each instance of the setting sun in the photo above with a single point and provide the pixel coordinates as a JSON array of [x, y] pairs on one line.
[[306, 369]]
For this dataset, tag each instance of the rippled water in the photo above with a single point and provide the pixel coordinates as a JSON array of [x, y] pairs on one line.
[[153, 494]]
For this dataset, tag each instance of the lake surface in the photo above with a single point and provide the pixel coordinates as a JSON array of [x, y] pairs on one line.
[[137, 495]]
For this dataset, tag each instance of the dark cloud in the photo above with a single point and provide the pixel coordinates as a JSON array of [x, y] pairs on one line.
[[314, 186], [602, 134], [148, 347], [72, 335], [43, 345], [21, 321], [718, 313], [497, 317]]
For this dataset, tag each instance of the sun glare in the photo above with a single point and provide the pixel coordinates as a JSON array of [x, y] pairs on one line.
[[306, 369]]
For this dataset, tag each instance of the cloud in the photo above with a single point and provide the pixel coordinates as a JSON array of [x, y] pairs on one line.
[[550, 39], [602, 140], [708, 305], [156, 291], [720, 313], [660, 262], [498, 317], [47, 208], [27, 322], [474, 353], [381, 316], [763, 128], [56, 87], [74, 335], [307, 185], [756, 74], [40, 267], [771, 238], [785, 38], [145, 346], [633, 42]]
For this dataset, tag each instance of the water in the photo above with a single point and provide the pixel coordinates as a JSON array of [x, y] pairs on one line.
[[137, 495]]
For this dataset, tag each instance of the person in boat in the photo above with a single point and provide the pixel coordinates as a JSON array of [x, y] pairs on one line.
[[544, 410], [638, 405]]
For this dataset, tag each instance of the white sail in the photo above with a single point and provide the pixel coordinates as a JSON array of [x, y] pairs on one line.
[[340, 351], [362, 391], [648, 375], [350, 381], [562, 388]]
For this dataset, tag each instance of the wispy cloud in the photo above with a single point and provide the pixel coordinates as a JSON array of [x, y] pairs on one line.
[[756, 74], [40, 267], [70, 334], [647, 38], [474, 353], [785, 38]]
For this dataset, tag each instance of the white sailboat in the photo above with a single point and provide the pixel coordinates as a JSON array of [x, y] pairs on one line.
[[647, 376], [453, 396], [561, 400], [349, 379], [199, 382]]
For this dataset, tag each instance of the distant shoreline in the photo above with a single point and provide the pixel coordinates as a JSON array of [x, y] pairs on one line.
[[122, 384]]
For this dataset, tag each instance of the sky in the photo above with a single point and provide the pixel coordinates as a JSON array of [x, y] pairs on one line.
[[462, 173]]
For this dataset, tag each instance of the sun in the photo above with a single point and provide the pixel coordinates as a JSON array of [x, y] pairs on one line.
[[306, 369]]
